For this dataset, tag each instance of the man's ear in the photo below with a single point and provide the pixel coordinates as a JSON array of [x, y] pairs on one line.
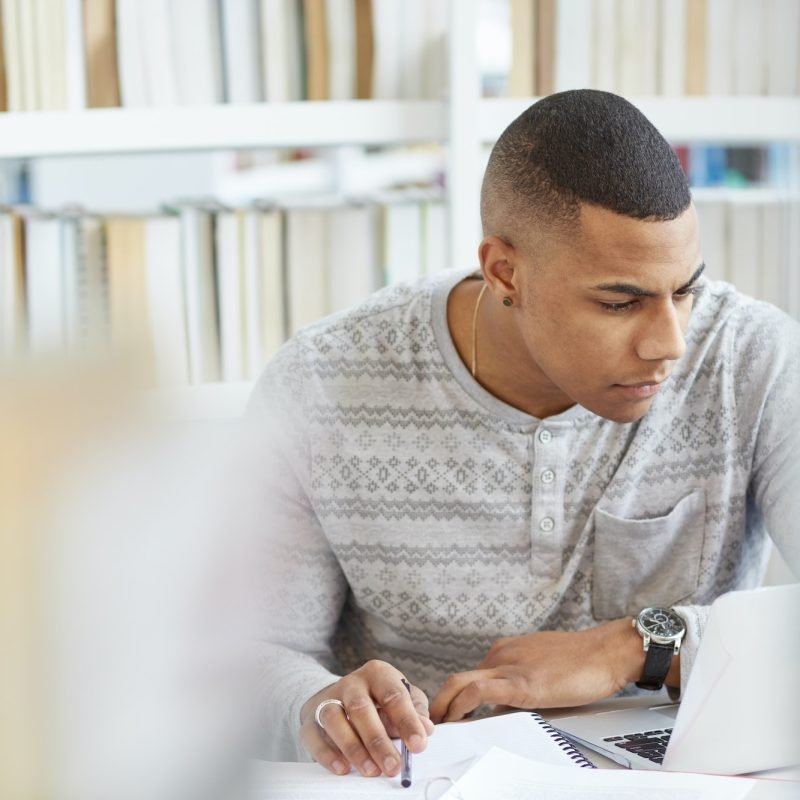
[[498, 264]]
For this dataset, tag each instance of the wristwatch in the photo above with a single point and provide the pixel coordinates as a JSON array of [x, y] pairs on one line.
[[662, 631]]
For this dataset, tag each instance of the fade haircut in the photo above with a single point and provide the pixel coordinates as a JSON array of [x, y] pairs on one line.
[[581, 146]]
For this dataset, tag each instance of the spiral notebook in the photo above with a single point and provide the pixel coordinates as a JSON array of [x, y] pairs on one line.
[[453, 749]]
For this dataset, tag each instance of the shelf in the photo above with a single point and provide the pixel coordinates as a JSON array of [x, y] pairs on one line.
[[363, 122], [732, 120], [142, 130]]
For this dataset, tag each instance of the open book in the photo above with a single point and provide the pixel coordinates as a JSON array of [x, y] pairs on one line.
[[451, 751]]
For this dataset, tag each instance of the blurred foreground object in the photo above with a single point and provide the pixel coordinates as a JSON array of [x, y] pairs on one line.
[[127, 666]]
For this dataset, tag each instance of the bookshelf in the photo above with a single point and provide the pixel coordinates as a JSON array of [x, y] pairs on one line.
[[733, 120], [106, 131], [464, 122]]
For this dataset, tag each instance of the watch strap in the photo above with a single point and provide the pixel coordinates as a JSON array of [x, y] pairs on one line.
[[656, 666]]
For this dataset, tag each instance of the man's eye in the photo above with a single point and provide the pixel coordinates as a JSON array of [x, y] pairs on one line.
[[616, 308], [688, 292]]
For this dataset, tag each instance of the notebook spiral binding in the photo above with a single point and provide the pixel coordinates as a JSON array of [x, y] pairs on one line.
[[577, 757]]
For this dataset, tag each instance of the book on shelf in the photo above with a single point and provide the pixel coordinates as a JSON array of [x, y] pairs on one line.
[[268, 328], [75, 77], [775, 267], [719, 67], [638, 47], [196, 42], [605, 45], [44, 283], [200, 282], [126, 249], [158, 62], [306, 267], [100, 53], [240, 51], [402, 236], [791, 246], [74, 54], [340, 16], [12, 285], [522, 70], [782, 31], [231, 286], [3, 72], [572, 50], [315, 25], [387, 58], [202, 293], [410, 33], [744, 250], [696, 47], [365, 48], [131, 54], [655, 47], [749, 47], [81, 271], [713, 237], [545, 46], [353, 258], [166, 306], [672, 47], [282, 51]]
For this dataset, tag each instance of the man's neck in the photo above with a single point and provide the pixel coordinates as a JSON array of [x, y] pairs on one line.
[[504, 365]]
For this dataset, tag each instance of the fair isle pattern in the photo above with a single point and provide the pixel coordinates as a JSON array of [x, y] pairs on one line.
[[415, 524]]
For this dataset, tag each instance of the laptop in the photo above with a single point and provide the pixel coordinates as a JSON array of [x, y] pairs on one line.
[[741, 709]]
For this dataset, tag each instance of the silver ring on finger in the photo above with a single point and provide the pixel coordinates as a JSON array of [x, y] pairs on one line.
[[330, 702]]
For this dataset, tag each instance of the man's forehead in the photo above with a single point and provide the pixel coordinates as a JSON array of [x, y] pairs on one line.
[[612, 247], [599, 226]]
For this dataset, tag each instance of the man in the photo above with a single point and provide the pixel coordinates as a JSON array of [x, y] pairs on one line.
[[482, 478]]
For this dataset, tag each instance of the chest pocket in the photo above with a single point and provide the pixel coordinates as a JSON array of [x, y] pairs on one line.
[[647, 562]]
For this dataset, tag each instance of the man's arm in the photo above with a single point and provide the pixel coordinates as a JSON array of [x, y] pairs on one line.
[[549, 669], [305, 592]]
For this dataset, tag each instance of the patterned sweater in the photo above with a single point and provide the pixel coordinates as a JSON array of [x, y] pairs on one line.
[[413, 517]]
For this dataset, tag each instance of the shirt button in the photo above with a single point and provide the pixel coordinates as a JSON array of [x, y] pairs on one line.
[[548, 476], [547, 524], [545, 436]]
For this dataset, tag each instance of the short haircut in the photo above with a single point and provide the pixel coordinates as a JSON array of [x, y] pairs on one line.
[[581, 146]]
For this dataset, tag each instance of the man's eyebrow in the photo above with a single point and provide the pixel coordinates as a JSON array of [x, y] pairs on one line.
[[637, 291]]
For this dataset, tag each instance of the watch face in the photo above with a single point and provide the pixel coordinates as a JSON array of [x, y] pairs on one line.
[[662, 622]]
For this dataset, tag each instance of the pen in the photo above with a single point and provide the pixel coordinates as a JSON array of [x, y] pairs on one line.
[[405, 770]]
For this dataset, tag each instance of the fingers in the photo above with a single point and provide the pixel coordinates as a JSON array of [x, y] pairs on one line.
[[420, 701], [378, 706], [321, 749], [365, 732], [362, 738], [463, 692], [400, 708]]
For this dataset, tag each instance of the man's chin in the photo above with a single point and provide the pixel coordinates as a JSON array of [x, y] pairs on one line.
[[627, 413]]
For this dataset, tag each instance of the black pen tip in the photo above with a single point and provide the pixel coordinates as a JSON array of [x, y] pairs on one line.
[[405, 783]]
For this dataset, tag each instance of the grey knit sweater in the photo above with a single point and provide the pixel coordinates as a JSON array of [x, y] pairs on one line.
[[415, 518]]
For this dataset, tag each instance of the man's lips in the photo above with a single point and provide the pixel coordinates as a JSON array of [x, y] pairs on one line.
[[642, 389]]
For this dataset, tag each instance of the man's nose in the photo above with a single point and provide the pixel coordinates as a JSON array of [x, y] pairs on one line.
[[661, 338]]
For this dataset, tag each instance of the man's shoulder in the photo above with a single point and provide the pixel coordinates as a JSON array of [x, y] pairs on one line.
[[390, 329], [741, 353], [731, 326]]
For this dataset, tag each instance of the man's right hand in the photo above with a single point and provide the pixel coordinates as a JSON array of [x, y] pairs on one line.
[[378, 708]]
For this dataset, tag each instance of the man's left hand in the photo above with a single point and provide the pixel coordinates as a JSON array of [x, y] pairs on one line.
[[545, 670]]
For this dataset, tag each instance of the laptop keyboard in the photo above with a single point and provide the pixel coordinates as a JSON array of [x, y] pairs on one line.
[[649, 744]]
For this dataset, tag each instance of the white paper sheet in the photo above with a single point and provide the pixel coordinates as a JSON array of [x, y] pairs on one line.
[[450, 752], [505, 776]]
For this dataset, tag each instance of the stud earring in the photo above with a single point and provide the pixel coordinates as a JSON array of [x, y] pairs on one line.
[[507, 301]]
